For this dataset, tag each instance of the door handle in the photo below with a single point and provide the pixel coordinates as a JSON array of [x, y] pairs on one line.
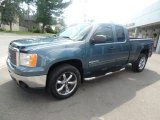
[[111, 48]]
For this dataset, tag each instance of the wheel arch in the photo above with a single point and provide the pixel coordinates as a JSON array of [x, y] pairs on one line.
[[145, 51], [74, 62]]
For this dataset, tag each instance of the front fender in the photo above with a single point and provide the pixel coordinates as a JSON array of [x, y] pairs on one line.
[[52, 57]]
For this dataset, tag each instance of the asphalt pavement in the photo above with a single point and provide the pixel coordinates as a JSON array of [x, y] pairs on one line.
[[120, 96]]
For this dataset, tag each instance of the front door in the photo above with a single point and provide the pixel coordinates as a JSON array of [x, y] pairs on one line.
[[101, 56]]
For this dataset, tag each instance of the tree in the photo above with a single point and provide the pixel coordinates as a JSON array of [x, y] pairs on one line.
[[46, 9], [29, 3], [9, 11]]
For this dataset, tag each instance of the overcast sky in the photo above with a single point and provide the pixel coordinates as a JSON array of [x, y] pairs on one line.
[[119, 11]]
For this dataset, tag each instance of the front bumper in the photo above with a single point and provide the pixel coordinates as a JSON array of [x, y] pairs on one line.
[[33, 82], [29, 81]]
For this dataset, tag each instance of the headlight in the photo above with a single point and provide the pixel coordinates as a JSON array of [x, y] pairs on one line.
[[29, 60]]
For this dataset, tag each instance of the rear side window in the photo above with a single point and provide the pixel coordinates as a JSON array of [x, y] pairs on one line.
[[120, 34]]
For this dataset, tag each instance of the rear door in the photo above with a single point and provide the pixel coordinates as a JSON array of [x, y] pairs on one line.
[[122, 46]]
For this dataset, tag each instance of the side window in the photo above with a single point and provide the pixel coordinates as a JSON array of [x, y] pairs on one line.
[[105, 31], [120, 34]]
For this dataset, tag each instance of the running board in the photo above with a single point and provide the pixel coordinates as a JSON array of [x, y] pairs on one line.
[[109, 73]]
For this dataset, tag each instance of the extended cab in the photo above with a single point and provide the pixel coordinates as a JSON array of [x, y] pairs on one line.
[[60, 63]]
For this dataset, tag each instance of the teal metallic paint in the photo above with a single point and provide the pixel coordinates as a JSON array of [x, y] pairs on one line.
[[94, 57]]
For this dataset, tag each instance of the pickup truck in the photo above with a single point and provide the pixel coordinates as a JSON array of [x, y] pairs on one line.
[[60, 63]]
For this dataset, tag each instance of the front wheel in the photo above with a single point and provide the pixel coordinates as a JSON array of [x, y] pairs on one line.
[[64, 81], [140, 63]]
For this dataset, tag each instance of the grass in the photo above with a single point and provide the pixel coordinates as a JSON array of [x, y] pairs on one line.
[[24, 33]]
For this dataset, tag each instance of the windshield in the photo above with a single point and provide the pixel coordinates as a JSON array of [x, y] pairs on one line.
[[75, 32]]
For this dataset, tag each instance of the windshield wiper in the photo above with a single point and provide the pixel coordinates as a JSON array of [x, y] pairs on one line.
[[66, 37]]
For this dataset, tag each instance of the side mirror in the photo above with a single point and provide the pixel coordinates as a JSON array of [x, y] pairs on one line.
[[98, 39]]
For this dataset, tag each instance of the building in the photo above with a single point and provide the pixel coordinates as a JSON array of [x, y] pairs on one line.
[[147, 24], [25, 24], [28, 23]]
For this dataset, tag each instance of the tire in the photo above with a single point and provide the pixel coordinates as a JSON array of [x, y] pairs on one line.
[[140, 63], [64, 81]]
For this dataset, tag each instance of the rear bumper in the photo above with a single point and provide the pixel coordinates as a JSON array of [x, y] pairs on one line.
[[29, 81], [150, 52]]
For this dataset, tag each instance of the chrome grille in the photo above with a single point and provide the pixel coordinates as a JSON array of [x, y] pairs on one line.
[[12, 55]]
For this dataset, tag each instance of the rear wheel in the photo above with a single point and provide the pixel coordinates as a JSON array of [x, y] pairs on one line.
[[140, 63], [64, 81]]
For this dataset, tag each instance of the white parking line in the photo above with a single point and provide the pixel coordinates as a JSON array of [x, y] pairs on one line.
[[3, 62]]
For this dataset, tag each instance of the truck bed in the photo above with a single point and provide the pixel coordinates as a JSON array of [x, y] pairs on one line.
[[136, 45]]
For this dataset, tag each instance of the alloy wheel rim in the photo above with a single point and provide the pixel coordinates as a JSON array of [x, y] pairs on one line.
[[142, 63], [66, 83]]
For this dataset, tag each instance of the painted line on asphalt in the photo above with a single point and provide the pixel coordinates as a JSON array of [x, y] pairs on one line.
[[3, 62]]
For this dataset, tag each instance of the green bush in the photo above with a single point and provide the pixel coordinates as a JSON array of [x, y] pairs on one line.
[[36, 30], [55, 32], [1, 30], [49, 29]]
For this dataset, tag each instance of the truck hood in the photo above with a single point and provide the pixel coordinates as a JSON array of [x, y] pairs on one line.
[[33, 43]]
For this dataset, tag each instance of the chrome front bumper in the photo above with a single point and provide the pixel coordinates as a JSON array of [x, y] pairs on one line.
[[25, 77], [32, 82]]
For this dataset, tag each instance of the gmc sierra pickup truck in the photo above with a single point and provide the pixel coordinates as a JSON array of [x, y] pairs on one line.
[[61, 62]]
